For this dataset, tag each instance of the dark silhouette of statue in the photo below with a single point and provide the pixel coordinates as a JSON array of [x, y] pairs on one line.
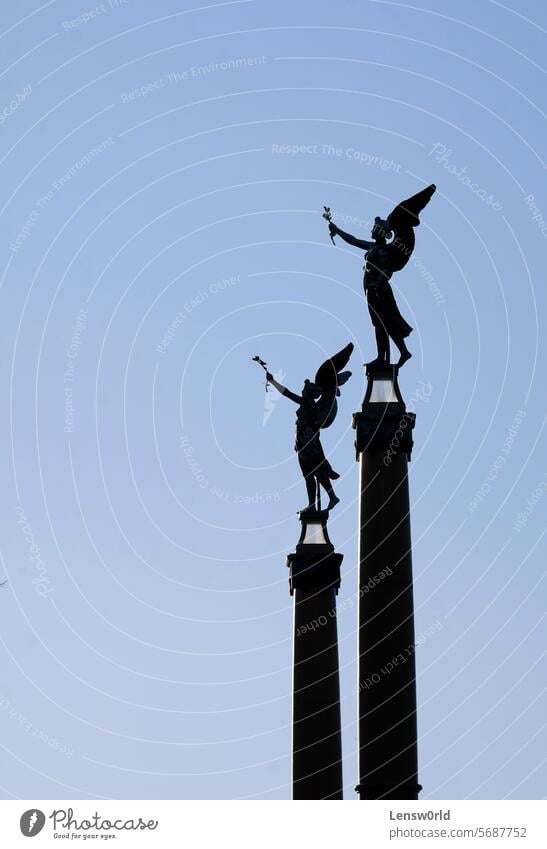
[[317, 408], [382, 259]]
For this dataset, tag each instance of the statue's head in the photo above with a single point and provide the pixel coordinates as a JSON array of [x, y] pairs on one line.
[[310, 390], [380, 230]]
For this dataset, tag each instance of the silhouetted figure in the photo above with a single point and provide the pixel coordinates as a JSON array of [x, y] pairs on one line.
[[382, 259], [317, 408]]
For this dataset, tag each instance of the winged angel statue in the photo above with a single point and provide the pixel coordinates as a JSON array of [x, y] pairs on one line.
[[317, 408], [382, 259]]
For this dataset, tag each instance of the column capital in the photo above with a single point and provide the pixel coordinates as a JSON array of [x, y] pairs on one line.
[[314, 565], [383, 421]]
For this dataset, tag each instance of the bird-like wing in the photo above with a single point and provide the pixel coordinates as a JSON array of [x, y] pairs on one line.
[[402, 221], [328, 378]]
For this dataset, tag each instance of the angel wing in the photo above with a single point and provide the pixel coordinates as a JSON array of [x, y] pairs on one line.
[[402, 221], [327, 380]]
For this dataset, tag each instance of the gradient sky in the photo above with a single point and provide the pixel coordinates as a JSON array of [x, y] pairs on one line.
[[164, 168]]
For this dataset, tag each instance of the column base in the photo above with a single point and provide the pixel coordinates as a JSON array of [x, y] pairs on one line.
[[388, 791]]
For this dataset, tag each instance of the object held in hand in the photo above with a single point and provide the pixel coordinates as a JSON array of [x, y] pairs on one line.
[[327, 215], [265, 367]]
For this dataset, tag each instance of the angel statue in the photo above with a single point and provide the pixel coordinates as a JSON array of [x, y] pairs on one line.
[[382, 258], [317, 408]]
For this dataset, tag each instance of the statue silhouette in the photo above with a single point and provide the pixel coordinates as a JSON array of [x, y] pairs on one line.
[[317, 408], [382, 259]]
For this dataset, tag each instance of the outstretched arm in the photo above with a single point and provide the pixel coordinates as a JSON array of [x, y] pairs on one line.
[[347, 237], [283, 389]]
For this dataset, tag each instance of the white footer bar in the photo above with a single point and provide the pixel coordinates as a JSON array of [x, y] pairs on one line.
[[283, 825]]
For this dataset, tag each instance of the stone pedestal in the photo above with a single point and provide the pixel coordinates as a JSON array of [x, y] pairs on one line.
[[314, 579], [388, 760]]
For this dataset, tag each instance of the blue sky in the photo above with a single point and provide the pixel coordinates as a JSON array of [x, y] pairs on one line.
[[164, 169]]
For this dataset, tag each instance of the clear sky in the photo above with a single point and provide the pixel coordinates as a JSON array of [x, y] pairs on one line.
[[164, 167]]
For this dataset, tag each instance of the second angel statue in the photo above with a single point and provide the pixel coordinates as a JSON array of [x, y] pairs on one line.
[[317, 408]]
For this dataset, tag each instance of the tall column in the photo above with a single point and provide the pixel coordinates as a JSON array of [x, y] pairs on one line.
[[388, 759], [314, 579]]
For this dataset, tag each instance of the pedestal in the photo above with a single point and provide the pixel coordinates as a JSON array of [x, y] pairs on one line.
[[388, 760], [314, 579]]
